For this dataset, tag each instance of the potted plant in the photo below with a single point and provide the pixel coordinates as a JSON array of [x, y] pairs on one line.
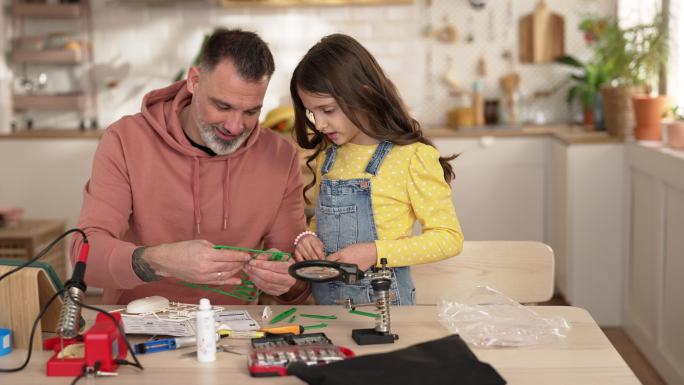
[[649, 47], [610, 48], [588, 78], [675, 129], [634, 57]]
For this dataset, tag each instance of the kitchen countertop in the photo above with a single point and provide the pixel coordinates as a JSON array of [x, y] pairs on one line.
[[55, 133], [659, 150], [568, 134]]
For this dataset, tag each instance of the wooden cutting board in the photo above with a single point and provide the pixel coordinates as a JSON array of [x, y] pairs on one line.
[[542, 35]]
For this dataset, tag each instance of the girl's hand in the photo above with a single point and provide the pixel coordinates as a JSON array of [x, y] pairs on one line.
[[270, 276], [309, 247], [364, 255]]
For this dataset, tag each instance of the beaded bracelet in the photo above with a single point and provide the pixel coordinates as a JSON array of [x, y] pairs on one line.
[[302, 235]]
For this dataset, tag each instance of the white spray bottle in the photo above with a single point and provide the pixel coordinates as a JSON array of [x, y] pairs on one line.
[[206, 332]]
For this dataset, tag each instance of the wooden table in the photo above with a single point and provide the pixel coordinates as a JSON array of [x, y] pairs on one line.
[[585, 356]]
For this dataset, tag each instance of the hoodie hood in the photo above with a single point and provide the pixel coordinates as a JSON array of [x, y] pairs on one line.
[[161, 109]]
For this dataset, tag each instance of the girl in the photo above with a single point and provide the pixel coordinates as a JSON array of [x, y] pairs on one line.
[[375, 173]]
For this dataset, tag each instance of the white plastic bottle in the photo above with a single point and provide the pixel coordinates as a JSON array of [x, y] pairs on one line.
[[206, 332]]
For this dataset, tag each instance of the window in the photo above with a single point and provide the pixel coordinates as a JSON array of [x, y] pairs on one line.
[[675, 76], [631, 12]]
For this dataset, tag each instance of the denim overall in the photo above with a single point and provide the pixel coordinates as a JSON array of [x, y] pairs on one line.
[[344, 216]]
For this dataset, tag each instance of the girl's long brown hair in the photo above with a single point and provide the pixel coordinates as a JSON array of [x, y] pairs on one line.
[[341, 67]]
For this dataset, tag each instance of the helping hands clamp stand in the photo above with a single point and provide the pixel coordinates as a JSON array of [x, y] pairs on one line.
[[381, 280], [381, 334]]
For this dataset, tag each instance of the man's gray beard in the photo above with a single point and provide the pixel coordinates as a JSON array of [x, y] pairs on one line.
[[218, 145]]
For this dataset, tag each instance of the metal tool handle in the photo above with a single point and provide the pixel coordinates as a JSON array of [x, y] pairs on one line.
[[69, 317]]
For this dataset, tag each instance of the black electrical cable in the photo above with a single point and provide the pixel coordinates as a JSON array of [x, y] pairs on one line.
[[44, 309], [58, 293], [46, 250], [78, 378], [86, 371], [33, 332]]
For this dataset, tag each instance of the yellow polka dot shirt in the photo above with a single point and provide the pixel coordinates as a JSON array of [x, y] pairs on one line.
[[409, 186]]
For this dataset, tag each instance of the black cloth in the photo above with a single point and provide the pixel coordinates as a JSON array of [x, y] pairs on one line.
[[446, 360], [206, 149]]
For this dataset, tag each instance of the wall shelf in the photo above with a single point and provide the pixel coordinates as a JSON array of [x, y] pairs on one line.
[[273, 3], [305, 3], [62, 56], [33, 10], [49, 102], [57, 36]]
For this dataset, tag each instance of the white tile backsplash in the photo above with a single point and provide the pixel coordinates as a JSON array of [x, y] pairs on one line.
[[370, 14], [142, 47], [335, 13]]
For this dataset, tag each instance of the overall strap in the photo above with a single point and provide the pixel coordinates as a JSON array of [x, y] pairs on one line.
[[329, 159], [376, 160]]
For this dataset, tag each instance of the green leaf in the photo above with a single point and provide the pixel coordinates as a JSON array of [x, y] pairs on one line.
[[569, 60], [572, 94]]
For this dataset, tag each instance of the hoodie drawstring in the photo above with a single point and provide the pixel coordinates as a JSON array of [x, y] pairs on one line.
[[195, 192], [226, 178]]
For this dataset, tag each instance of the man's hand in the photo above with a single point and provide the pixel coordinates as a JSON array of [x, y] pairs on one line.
[[196, 261], [309, 247], [364, 255], [270, 276]]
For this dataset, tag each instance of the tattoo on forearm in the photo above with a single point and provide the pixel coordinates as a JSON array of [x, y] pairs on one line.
[[141, 268]]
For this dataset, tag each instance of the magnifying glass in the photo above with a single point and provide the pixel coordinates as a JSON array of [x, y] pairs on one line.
[[319, 270]]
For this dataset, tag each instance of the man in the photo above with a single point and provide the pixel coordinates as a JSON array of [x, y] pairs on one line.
[[192, 170]]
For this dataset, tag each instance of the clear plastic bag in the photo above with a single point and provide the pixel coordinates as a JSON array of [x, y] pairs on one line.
[[487, 318]]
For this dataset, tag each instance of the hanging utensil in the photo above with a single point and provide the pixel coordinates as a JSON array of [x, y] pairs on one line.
[[542, 35], [477, 4], [448, 33], [470, 38]]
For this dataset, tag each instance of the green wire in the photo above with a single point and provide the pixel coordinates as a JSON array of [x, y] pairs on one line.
[[318, 316], [275, 255], [247, 290], [364, 313], [316, 326], [282, 315]]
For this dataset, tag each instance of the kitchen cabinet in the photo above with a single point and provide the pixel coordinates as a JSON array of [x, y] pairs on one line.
[[499, 189], [654, 284], [542, 188], [585, 225], [52, 41]]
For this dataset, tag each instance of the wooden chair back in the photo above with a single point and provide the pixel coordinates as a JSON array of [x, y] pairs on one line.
[[521, 270]]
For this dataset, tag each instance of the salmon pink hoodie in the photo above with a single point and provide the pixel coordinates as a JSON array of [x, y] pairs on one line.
[[150, 186]]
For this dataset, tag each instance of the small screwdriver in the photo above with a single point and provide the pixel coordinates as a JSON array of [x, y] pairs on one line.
[[294, 329]]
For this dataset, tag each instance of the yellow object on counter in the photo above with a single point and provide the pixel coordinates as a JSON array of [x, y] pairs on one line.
[[294, 329], [72, 45], [280, 118], [241, 333], [460, 117]]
